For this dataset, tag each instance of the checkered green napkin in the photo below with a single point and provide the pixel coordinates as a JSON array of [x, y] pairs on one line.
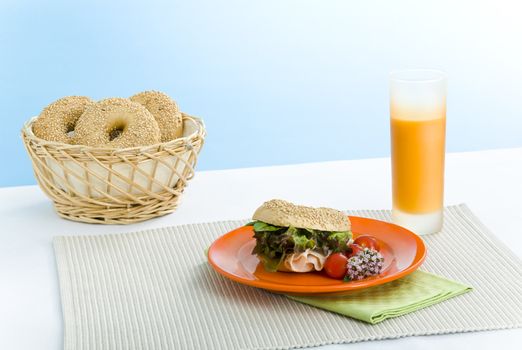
[[396, 298]]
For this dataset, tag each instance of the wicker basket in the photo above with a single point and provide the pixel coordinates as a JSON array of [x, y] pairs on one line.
[[109, 186]]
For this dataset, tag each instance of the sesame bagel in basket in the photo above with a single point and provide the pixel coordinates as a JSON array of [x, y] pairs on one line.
[[118, 123], [115, 161], [59, 119], [165, 111]]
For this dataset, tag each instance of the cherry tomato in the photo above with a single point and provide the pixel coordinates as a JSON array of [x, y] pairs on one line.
[[336, 266], [353, 250], [368, 242]]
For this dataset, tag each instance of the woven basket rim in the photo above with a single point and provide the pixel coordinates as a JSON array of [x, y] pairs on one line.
[[27, 132]]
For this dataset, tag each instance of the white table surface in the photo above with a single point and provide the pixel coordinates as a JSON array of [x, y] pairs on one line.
[[490, 182]]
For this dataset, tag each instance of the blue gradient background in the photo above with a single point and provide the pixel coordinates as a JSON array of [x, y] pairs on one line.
[[276, 82]]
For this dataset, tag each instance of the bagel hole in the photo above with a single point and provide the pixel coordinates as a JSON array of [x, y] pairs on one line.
[[115, 133], [70, 130], [117, 129]]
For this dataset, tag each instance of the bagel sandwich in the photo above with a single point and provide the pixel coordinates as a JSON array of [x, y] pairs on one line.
[[296, 238]]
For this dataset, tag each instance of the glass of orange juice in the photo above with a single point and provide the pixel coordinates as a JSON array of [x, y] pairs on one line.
[[418, 134]]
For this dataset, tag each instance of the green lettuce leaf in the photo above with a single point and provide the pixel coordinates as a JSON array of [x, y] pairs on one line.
[[301, 239], [337, 241], [261, 226], [342, 236]]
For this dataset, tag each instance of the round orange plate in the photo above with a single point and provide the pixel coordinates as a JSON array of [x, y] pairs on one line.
[[231, 256]]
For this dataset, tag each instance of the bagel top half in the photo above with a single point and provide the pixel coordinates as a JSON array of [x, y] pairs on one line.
[[282, 213]]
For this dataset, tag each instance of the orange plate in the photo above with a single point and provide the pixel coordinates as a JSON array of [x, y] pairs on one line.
[[231, 256]]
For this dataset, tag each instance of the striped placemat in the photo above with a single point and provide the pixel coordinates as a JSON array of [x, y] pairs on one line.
[[154, 290]]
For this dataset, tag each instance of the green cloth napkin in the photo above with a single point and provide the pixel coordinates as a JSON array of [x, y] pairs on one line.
[[396, 298]]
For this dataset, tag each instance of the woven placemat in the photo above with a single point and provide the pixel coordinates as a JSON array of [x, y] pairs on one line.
[[155, 290]]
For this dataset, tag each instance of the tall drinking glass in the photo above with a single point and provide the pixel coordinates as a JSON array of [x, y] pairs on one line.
[[418, 133]]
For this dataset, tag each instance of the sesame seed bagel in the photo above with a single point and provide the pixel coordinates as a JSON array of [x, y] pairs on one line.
[[59, 118], [116, 123], [282, 213], [165, 111]]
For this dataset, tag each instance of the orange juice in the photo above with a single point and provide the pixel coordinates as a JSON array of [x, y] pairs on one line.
[[418, 163], [418, 133]]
